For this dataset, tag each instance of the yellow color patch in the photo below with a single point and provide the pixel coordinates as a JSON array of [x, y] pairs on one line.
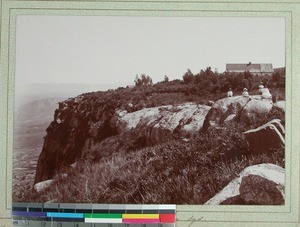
[[140, 216]]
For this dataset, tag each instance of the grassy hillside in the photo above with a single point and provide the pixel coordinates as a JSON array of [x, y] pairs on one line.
[[175, 172], [182, 172]]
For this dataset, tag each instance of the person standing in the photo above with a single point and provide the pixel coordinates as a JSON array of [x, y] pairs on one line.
[[266, 93], [230, 93], [245, 92], [261, 88]]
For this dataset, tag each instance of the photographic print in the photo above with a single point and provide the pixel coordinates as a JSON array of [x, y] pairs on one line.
[[149, 110]]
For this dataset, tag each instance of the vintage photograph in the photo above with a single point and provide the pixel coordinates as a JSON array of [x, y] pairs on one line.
[[149, 110]]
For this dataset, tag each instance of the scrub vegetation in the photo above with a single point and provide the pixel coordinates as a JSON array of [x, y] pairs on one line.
[[177, 171]]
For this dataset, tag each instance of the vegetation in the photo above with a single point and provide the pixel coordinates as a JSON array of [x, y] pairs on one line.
[[143, 80], [209, 82], [182, 172], [175, 172], [166, 79]]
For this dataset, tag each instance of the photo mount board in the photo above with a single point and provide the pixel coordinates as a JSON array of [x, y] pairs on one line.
[[187, 215]]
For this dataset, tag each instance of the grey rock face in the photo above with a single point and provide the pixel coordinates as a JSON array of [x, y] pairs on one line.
[[77, 126], [255, 108], [280, 105], [257, 190], [258, 184], [244, 108], [159, 124]]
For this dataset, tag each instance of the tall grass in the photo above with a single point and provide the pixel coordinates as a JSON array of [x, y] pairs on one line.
[[175, 172], [116, 171]]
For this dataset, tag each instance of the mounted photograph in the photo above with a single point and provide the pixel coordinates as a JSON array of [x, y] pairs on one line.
[[149, 110]]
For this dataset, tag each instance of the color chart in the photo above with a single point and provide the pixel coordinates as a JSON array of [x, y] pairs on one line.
[[92, 215]]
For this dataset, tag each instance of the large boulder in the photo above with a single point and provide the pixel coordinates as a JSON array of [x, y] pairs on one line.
[[236, 101], [254, 108], [266, 137], [258, 190], [223, 108], [261, 184], [237, 108], [280, 105], [159, 124], [262, 98]]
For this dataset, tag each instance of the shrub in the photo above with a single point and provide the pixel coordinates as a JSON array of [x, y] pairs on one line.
[[188, 76], [116, 171], [175, 172], [143, 80], [262, 119]]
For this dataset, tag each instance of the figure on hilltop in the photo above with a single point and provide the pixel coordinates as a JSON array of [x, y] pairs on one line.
[[261, 88], [230, 93], [266, 93], [245, 92]]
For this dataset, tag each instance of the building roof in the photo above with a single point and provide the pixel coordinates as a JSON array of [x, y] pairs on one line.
[[252, 68]]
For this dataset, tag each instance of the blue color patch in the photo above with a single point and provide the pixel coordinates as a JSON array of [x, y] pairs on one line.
[[64, 215], [29, 214]]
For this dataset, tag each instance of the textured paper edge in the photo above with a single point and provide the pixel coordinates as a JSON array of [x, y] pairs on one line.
[[192, 214]]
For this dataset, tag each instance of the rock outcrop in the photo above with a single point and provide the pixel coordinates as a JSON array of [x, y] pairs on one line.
[[280, 105], [261, 184], [85, 121], [258, 190], [76, 126], [243, 108], [81, 123], [224, 108], [160, 124], [266, 137], [254, 108], [41, 186]]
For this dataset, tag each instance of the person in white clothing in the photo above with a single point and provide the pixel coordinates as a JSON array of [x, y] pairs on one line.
[[230, 93], [266, 93], [261, 88], [245, 92]]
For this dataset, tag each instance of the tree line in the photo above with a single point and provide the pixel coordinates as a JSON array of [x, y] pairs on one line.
[[207, 81]]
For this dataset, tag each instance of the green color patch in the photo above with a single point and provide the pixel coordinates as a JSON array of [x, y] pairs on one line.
[[102, 215]]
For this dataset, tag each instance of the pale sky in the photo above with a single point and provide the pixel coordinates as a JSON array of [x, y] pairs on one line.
[[107, 50]]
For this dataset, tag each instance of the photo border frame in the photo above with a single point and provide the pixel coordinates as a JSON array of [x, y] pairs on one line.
[[186, 215]]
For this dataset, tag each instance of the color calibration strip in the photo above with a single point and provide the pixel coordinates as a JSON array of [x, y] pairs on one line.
[[66, 214]]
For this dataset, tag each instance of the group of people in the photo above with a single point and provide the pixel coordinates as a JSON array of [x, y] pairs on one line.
[[263, 90]]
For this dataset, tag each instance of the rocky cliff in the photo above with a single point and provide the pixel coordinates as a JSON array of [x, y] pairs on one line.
[[76, 121], [80, 123], [89, 120]]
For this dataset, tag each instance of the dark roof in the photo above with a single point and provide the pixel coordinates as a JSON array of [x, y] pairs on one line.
[[253, 68]]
